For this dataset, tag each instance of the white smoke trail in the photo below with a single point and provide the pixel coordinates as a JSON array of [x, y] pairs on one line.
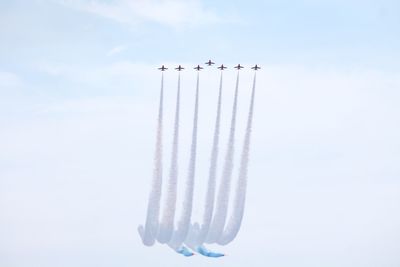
[[210, 194], [149, 232], [167, 222], [219, 218], [184, 221], [235, 220]]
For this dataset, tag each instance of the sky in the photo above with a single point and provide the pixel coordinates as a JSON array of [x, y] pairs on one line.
[[78, 105]]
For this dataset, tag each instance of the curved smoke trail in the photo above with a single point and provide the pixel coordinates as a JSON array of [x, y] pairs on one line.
[[184, 222], [219, 217], [167, 222], [149, 232], [210, 194], [235, 221]]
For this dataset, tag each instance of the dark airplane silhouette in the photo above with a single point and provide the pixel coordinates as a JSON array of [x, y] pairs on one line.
[[198, 68], [179, 68], [209, 63], [256, 67], [238, 67], [222, 67], [163, 68]]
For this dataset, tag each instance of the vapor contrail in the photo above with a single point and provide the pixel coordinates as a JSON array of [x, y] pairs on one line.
[[219, 218], [149, 232], [201, 234], [197, 233], [167, 222], [235, 220], [184, 221]]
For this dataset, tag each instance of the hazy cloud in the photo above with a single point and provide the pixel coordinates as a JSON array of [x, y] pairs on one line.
[[9, 79], [116, 50], [172, 13]]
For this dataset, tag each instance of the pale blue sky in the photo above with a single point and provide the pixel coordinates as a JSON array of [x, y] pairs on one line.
[[78, 102], [341, 32]]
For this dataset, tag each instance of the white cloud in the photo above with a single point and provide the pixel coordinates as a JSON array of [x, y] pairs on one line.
[[116, 50], [173, 13], [9, 79]]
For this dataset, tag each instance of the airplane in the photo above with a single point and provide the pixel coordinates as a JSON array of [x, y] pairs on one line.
[[209, 63], [198, 68], [238, 67], [179, 68], [256, 67], [222, 67], [163, 68]]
